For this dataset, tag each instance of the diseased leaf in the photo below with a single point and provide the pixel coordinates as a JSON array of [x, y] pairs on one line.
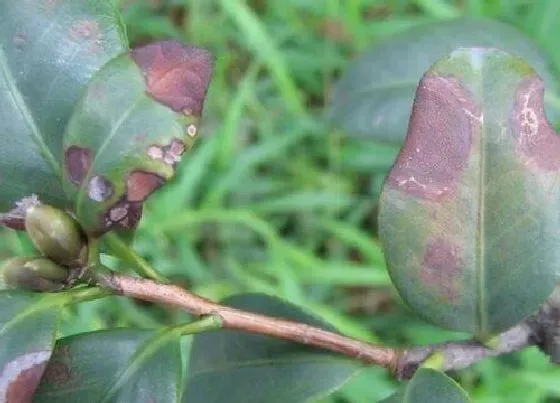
[[28, 324], [469, 213], [139, 115], [121, 365], [49, 50], [375, 94], [232, 367], [428, 386]]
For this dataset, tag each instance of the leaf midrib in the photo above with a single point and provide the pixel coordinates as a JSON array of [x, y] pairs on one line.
[[26, 114], [480, 274]]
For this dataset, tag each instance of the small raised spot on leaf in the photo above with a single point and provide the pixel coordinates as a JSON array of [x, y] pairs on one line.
[[99, 189], [170, 154], [176, 75], [122, 215], [191, 130], [537, 141], [139, 185], [118, 213], [174, 151], [20, 377], [78, 162], [443, 123], [176, 148], [442, 267], [155, 152]]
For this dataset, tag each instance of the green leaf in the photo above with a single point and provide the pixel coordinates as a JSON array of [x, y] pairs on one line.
[[121, 365], [49, 50], [428, 385], [469, 213], [375, 94], [28, 324], [228, 366], [542, 25], [139, 115]]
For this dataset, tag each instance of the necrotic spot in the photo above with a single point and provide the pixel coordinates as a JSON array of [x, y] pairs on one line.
[[122, 215], [78, 163], [537, 142], [442, 268], [139, 185], [176, 75], [20, 377], [99, 189], [439, 139]]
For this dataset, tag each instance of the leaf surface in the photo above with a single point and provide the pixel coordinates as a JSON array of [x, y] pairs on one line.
[[138, 117], [375, 94], [120, 365], [235, 367], [429, 386], [28, 323], [49, 51], [469, 213]]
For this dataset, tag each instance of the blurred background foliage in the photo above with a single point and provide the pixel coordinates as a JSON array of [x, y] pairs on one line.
[[274, 199]]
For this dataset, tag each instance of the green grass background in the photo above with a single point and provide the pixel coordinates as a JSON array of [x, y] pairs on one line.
[[273, 199]]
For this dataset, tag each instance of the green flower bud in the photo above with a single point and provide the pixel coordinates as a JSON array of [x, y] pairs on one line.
[[56, 234], [34, 273]]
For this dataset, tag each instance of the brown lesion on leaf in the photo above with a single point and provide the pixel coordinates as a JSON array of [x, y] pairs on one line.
[[442, 268], [442, 126], [77, 161], [170, 154], [537, 142], [99, 189], [140, 185], [57, 371], [19, 378], [176, 75], [123, 214]]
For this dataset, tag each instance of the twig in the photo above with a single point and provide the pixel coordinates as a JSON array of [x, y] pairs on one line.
[[540, 329], [235, 319], [461, 354]]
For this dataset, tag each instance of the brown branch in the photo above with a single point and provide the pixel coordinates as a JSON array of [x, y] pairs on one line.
[[541, 329], [461, 354], [235, 319]]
